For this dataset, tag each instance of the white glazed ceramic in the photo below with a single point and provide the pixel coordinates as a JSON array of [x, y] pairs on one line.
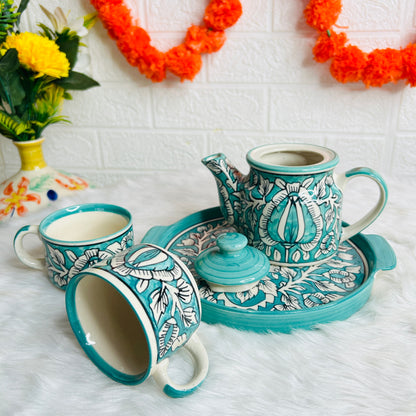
[[131, 312], [75, 238]]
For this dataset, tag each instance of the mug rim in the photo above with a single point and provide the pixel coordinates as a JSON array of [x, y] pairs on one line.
[[126, 292], [89, 207], [329, 158]]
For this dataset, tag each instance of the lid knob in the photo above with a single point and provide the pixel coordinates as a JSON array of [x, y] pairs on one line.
[[231, 242], [232, 265]]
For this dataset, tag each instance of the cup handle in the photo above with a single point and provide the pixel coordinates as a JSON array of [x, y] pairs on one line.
[[201, 362], [20, 251], [353, 229]]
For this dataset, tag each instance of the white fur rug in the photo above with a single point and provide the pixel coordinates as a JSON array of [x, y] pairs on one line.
[[365, 365]]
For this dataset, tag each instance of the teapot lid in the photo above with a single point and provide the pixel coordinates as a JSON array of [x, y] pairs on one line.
[[232, 265]]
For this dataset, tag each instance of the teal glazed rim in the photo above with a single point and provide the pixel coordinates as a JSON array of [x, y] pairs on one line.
[[95, 357], [322, 158], [91, 207], [374, 250]]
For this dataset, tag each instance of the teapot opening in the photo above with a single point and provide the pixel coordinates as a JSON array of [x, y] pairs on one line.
[[292, 158]]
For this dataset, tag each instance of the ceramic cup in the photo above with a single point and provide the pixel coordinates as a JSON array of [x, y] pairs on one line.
[[130, 313], [75, 238], [290, 204]]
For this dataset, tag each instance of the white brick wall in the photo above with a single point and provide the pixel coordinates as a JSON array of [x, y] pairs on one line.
[[261, 87]]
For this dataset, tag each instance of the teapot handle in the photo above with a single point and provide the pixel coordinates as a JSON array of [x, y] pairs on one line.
[[200, 357], [342, 180]]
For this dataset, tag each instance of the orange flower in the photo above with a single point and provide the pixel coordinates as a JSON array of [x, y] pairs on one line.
[[132, 43], [221, 14], [183, 62], [14, 200], [351, 64], [204, 40], [116, 19], [409, 63], [152, 64], [322, 14], [328, 44], [100, 3], [383, 66], [348, 64]]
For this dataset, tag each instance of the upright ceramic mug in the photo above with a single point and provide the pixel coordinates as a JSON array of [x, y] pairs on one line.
[[75, 238], [130, 313], [289, 205]]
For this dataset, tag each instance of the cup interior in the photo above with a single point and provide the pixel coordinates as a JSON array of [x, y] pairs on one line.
[[111, 327], [84, 223]]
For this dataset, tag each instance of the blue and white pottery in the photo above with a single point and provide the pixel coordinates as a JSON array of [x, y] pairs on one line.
[[130, 313], [76, 238], [287, 298], [289, 205]]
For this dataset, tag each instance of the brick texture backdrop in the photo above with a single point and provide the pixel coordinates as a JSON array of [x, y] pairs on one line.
[[261, 87]]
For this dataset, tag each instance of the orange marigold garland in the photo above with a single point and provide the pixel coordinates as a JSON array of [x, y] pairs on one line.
[[183, 60], [349, 63]]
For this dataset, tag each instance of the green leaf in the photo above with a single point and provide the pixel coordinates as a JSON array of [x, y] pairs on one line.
[[8, 18], [69, 44], [11, 89], [47, 32], [90, 19], [77, 81], [22, 7], [12, 127]]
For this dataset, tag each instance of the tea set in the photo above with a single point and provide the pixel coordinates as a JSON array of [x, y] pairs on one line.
[[275, 255]]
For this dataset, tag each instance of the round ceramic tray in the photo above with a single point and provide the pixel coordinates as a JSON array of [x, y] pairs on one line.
[[287, 298]]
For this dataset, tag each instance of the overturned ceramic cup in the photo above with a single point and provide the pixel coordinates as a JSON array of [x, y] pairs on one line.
[[130, 313], [75, 238]]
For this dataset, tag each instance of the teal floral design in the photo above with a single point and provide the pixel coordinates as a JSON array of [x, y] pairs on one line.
[[171, 300], [284, 288], [63, 265]]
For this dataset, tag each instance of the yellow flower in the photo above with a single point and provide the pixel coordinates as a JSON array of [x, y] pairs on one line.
[[39, 54]]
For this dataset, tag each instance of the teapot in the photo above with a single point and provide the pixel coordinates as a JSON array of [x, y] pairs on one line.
[[289, 204]]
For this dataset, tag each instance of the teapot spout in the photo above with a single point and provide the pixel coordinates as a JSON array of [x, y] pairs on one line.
[[229, 183]]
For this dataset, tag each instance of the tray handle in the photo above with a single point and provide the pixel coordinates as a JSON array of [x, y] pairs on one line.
[[384, 257], [156, 234]]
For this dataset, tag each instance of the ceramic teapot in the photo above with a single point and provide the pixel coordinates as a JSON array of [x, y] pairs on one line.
[[289, 205]]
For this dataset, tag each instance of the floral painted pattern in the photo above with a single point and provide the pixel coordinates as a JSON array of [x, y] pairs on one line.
[[71, 183], [15, 199], [23, 194], [284, 288], [63, 265], [293, 219], [171, 300], [299, 220]]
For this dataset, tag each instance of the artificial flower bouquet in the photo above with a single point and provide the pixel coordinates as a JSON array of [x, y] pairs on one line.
[[37, 70]]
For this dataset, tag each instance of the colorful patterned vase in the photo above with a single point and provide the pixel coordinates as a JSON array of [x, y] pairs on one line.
[[36, 184]]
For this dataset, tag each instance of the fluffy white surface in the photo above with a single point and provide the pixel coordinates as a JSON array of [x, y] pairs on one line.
[[365, 365]]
